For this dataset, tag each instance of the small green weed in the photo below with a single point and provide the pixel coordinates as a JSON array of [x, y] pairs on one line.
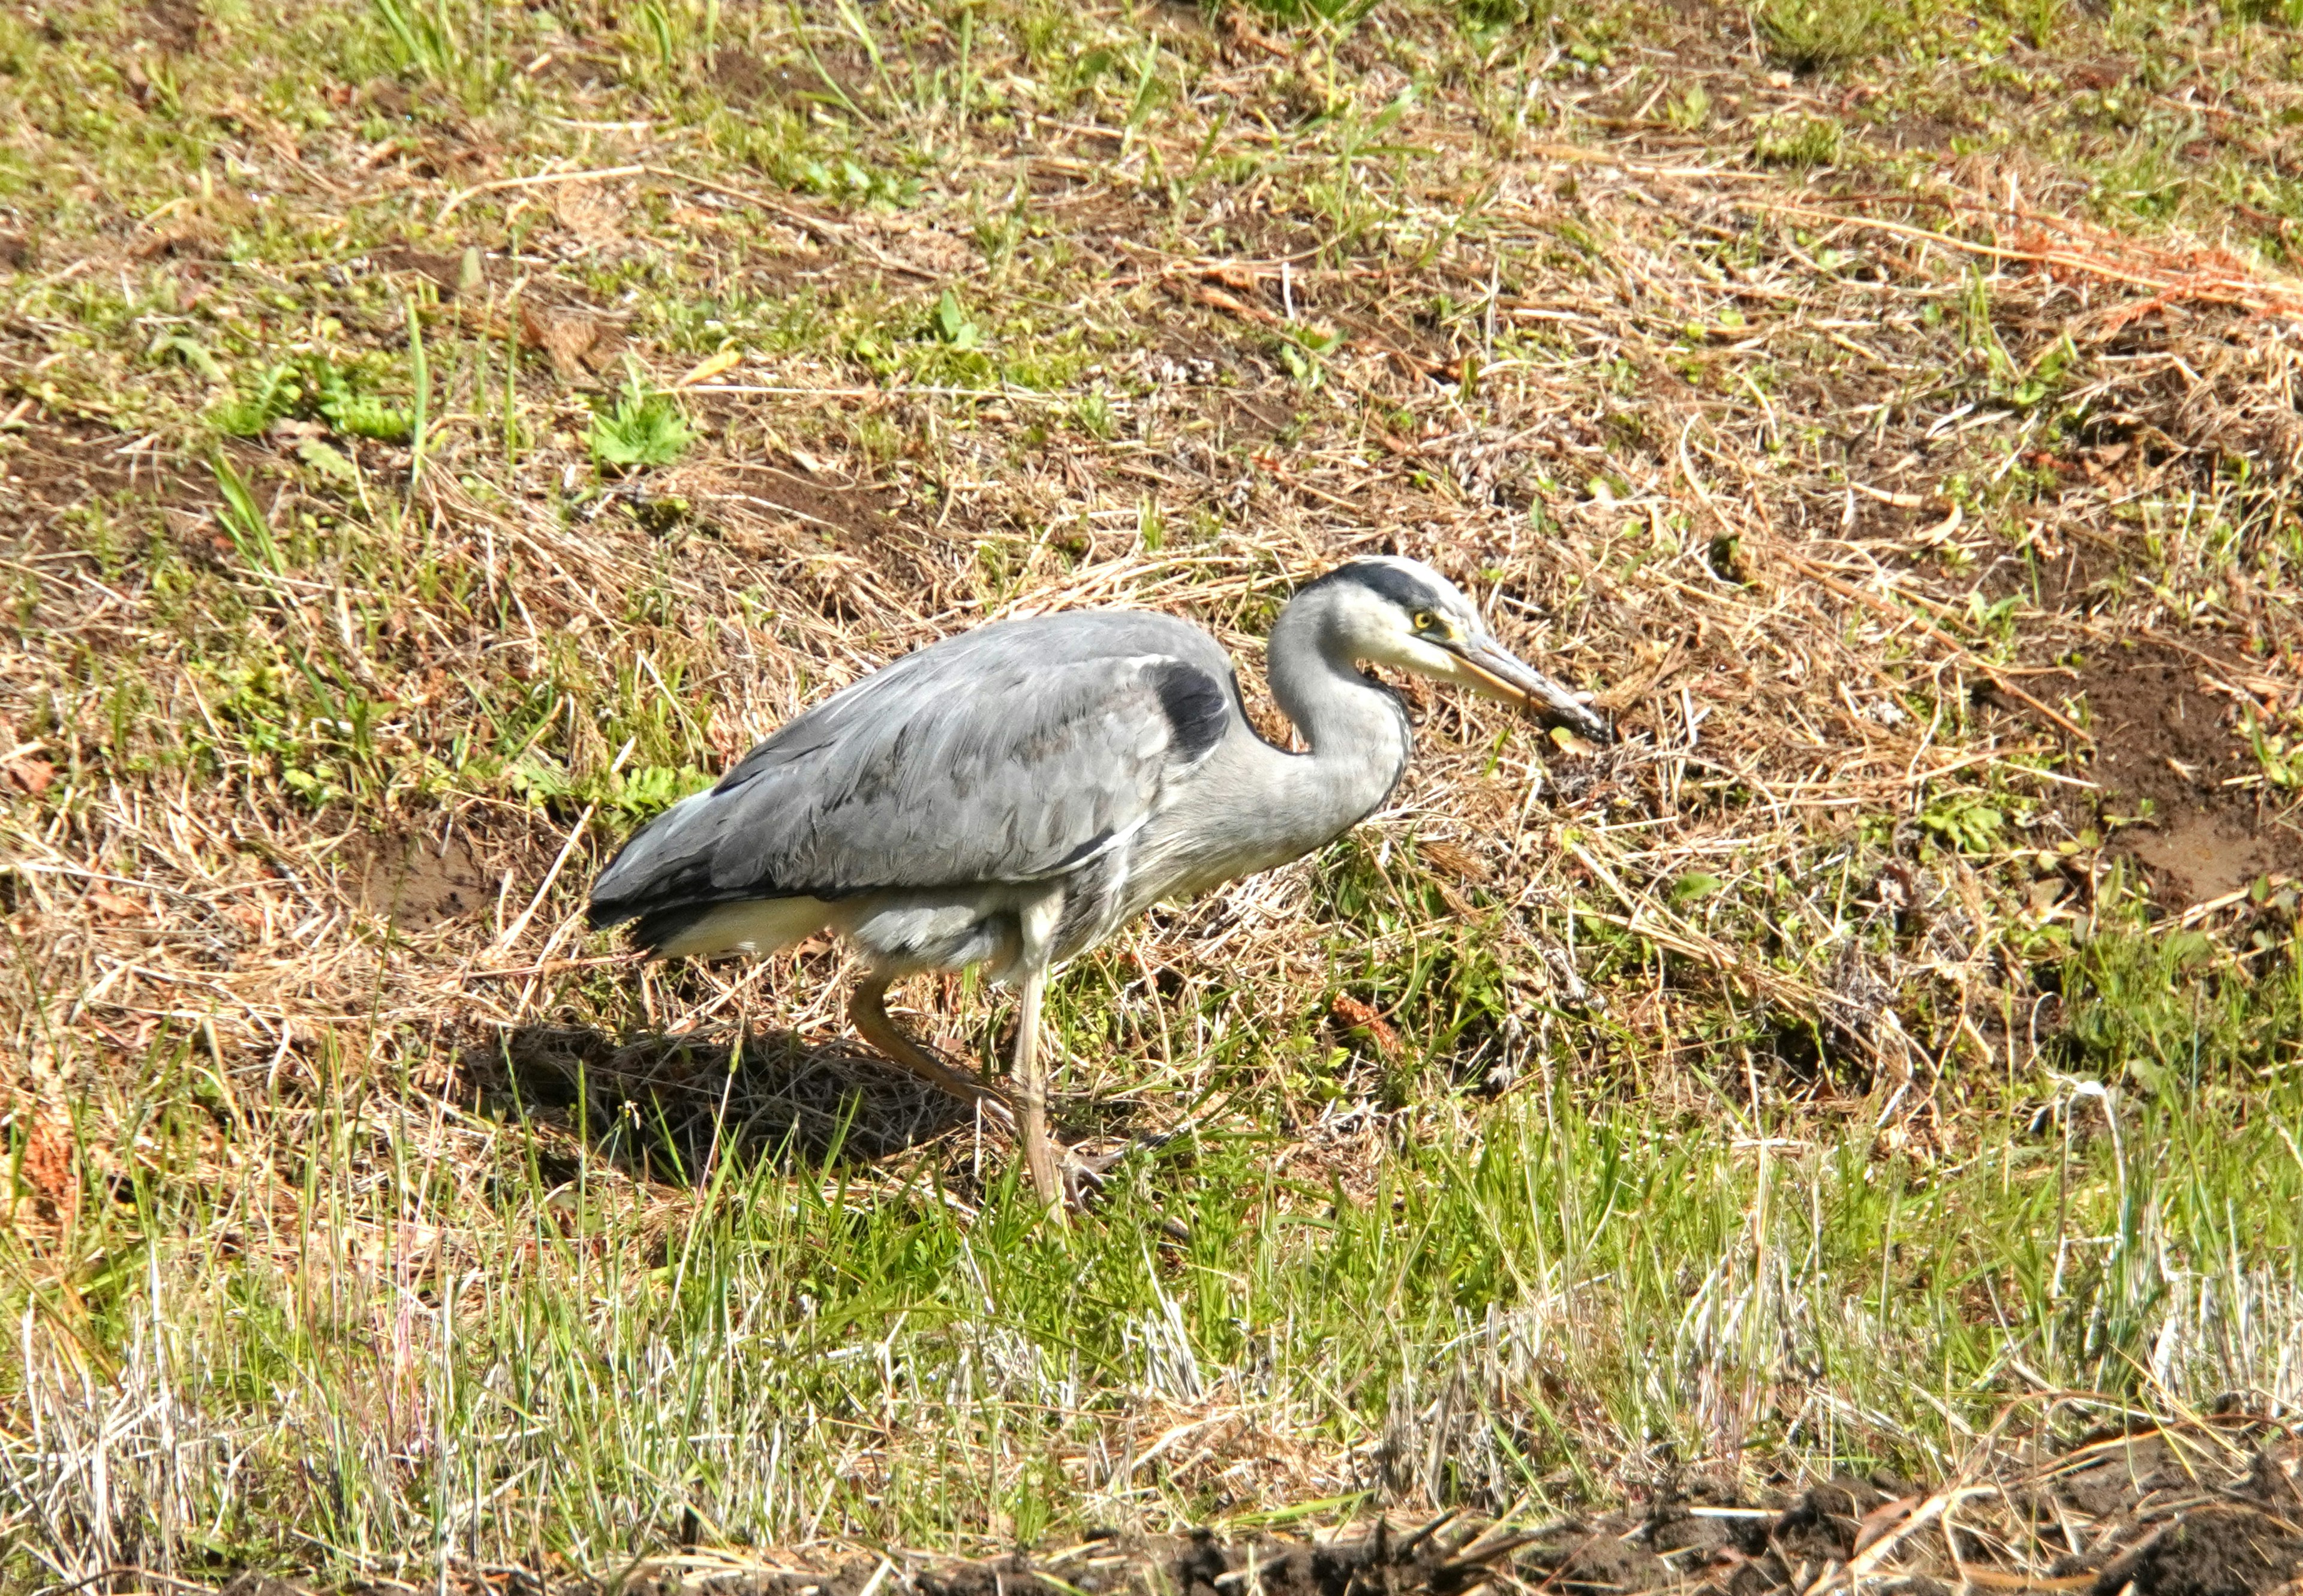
[[248, 415], [426, 38], [191, 352], [1689, 110], [643, 427], [330, 462], [2040, 381], [2285, 13], [952, 323], [632, 795], [1966, 820], [1483, 17], [347, 398], [1335, 15], [1696, 884], [245, 522], [1302, 351], [1094, 415], [361, 415], [644, 794], [1798, 142], [1811, 35], [2040, 20], [2281, 756]]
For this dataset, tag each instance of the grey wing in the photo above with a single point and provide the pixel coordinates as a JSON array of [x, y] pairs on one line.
[[1010, 754]]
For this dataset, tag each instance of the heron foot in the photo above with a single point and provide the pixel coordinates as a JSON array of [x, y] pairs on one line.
[[867, 1011], [1086, 1174]]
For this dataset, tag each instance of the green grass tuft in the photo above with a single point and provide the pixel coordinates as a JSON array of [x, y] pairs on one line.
[[643, 428], [1812, 34]]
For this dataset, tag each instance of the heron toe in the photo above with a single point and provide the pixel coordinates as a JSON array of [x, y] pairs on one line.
[[1085, 1174]]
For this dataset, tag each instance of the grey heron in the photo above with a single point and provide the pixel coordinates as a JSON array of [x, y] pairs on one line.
[[1011, 796]]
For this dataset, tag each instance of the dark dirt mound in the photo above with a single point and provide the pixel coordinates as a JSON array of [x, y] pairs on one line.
[[2211, 1512], [1384, 1562], [2208, 1509], [2214, 1551], [2170, 747], [1738, 1549], [2171, 1521]]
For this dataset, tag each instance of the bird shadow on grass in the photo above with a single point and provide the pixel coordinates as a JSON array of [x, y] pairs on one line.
[[664, 1108]]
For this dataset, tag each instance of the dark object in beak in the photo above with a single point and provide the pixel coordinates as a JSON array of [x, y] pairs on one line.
[[1492, 671]]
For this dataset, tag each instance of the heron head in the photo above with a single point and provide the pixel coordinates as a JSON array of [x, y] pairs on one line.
[[1401, 613]]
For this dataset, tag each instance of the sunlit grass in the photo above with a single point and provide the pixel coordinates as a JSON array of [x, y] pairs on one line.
[[1644, 1165], [459, 1359]]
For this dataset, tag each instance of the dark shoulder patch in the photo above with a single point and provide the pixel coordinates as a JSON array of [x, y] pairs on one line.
[[1195, 704]]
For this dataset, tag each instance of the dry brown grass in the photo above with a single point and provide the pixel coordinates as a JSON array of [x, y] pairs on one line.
[[1862, 498]]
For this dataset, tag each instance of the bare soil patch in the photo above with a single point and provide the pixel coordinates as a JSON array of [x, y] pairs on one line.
[[172, 24], [62, 463], [56, 466], [445, 271], [419, 884], [856, 515], [2169, 748], [745, 78]]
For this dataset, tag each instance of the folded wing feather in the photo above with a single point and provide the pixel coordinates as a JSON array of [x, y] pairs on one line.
[[1008, 754]]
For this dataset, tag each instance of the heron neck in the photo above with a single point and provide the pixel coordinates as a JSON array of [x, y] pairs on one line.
[[1357, 729]]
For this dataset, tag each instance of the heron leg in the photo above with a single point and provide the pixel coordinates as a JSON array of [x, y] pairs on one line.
[[1031, 1075], [867, 1011]]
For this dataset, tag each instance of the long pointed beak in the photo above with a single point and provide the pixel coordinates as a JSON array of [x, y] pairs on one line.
[[1490, 669]]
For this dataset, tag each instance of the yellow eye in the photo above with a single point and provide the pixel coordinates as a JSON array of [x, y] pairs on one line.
[[1425, 621]]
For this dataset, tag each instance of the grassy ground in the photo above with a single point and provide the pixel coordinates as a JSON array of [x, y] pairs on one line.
[[438, 433]]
